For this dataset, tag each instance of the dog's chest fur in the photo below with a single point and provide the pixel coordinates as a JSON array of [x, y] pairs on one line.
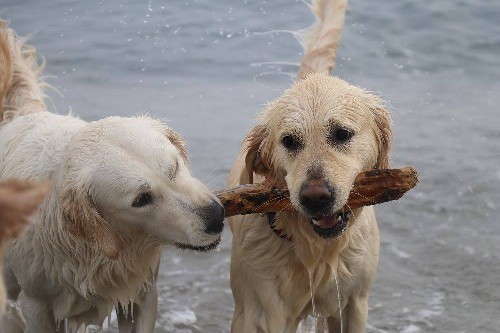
[[316, 284], [294, 268], [82, 284], [116, 287]]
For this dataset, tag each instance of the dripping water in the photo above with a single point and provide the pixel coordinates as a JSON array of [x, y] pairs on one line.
[[311, 288], [125, 310], [132, 311], [338, 298], [313, 303]]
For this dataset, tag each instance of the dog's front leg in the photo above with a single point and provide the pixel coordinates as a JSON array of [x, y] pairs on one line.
[[38, 315], [125, 323], [251, 315], [144, 318], [144, 314], [12, 320], [357, 314]]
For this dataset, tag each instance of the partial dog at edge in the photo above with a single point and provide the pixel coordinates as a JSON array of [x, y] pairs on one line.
[[317, 136], [121, 189], [18, 200]]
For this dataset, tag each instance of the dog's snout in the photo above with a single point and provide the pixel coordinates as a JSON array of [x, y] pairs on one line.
[[316, 197], [214, 217]]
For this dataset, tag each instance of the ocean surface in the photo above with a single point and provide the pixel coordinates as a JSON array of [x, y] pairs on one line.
[[209, 67]]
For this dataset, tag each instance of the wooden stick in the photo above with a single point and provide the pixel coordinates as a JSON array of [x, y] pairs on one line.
[[370, 188]]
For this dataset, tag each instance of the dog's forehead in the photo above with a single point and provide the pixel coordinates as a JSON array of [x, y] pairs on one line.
[[134, 139], [320, 100]]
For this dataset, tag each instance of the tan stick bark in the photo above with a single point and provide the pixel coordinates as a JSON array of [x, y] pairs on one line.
[[370, 188]]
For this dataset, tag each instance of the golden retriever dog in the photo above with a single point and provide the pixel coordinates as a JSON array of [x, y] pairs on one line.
[[319, 260], [121, 189], [18, 201]]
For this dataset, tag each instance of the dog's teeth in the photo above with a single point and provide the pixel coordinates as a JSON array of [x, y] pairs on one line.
[[316, 222]]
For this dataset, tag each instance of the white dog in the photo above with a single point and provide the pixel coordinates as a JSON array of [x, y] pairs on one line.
[[121, 190], [317, 136]]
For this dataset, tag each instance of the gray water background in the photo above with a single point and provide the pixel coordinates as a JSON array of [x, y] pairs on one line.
[[202, 65]]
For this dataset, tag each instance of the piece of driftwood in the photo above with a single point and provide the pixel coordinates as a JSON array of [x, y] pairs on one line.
[[370, 188]]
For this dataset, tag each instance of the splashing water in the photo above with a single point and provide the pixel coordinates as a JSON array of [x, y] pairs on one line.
[[338, 298], [92, 329]]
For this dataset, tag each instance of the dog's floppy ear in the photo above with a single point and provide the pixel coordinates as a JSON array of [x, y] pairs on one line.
[[384, 136], [258, 152], [82, 220], [177, 142]]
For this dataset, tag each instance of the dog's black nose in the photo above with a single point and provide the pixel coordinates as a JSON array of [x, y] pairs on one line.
[[214, 217], [316, 197]]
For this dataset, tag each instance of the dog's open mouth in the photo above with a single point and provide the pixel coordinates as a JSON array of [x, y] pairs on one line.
[[332, 225], [204, 248]]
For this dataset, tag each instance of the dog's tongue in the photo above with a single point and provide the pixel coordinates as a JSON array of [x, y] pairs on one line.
[[326, 221]]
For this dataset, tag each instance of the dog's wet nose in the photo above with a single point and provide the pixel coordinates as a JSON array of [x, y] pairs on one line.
[[316, 197], [214, 217]]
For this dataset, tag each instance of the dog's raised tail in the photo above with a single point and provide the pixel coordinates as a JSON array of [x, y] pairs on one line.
[[21, 88], [321, 41]]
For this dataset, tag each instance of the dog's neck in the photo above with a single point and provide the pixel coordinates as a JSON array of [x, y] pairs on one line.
[[86, 269], [309, 248], [271, 220]]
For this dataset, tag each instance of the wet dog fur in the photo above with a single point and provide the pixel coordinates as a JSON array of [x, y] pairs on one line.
[[317, 136], [121, 189]]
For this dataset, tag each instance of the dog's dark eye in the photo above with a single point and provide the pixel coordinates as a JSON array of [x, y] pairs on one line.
[[291, 143], [143, 199], [341, 135]]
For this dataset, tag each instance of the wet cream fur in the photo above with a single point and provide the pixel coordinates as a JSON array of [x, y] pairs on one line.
[[271, 276], [87, 248], [18, 201]]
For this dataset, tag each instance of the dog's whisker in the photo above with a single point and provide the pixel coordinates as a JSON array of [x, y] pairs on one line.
[[284, 208], [213, 175], [272, 63], [277, 199], [363, 196], [277, 31], [291, 75], [352, 213], [209, 182], [215, 169]]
